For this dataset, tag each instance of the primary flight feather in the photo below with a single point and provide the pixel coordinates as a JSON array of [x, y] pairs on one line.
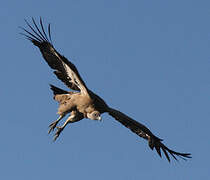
[[82, 102]]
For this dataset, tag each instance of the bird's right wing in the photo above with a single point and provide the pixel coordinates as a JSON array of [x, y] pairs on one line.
[[144, 132], [64, 69]]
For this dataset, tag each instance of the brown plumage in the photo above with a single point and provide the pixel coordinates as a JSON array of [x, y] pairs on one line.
[[82, 102]]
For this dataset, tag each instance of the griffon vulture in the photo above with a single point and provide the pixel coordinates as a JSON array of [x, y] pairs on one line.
[[82, 102]]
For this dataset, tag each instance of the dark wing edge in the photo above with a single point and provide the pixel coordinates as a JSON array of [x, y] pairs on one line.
[[144, 132], [64, 69]]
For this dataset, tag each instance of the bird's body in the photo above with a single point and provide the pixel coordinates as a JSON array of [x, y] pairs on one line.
[[82, 106], [71, 101], [81, 102]]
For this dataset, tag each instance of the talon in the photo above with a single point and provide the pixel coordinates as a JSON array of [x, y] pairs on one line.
[[59, 130], [52, 126]]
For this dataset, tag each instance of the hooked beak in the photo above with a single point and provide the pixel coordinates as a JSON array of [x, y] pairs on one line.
[[99, 118]]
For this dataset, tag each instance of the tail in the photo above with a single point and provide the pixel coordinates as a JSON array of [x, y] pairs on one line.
[[57, 90]]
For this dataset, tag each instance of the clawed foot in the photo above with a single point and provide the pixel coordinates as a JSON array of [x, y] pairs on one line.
[[52, 126], [59, 130]]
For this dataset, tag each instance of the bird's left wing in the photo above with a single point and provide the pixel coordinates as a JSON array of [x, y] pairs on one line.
[[64, 69], [144, 132]]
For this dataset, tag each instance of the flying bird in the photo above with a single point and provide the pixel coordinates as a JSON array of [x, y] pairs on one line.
[[82, 102]]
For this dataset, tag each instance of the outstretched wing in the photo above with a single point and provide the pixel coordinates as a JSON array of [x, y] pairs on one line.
[[64, 69], [144, 132]]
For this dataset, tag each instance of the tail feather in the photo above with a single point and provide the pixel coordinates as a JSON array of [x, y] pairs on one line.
[[57, 90]]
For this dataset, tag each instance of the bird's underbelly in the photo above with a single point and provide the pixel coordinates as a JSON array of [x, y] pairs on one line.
[[65, 107], [74, 102]]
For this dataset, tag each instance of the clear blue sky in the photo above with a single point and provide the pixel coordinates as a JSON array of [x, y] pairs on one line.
[[149, 59]]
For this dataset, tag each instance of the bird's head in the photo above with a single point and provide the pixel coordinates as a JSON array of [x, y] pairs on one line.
[[95, 115]]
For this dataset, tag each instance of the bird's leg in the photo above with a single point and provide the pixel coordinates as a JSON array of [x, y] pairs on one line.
[[60, 128], [54, 124]]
